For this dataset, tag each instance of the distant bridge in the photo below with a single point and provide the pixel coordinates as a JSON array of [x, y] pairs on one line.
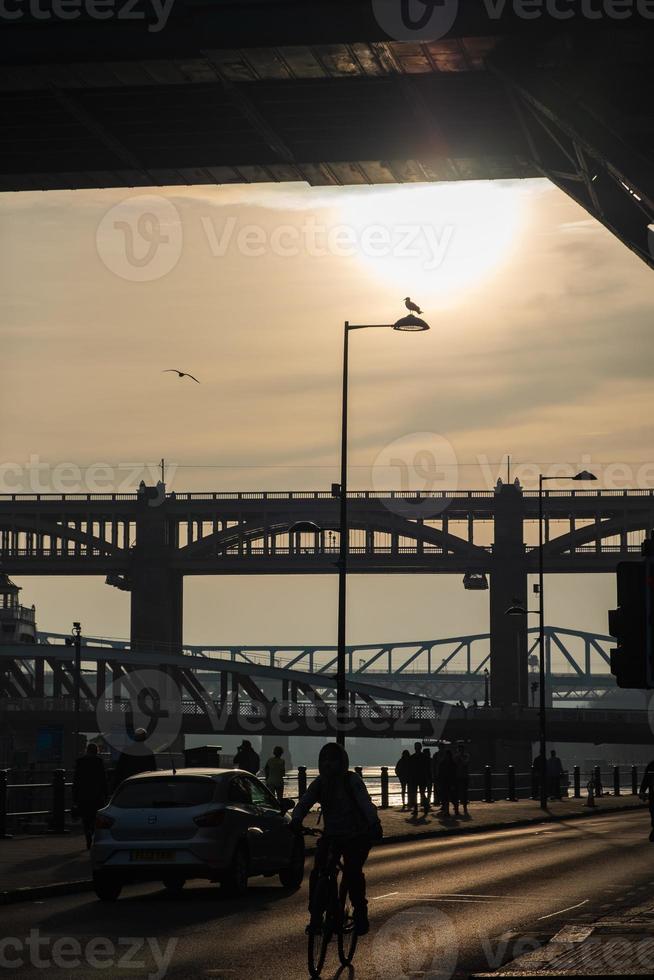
[[452, 668], [148, 542], [209, 695]]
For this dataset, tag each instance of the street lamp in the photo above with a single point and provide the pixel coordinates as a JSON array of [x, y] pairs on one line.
[[517, 610], [412, 324]]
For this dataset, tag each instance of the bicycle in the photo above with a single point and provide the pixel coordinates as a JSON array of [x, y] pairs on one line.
[[331, 902]]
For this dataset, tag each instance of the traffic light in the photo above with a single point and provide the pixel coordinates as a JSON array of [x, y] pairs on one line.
[[632, 623]]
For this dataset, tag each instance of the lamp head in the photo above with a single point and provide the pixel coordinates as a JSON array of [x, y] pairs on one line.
[[411, 324], [584, 475]]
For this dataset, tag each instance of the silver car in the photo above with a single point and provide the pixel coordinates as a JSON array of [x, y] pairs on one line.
[[218, 824]]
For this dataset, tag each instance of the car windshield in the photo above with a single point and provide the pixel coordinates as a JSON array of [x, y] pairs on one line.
[[164, 792]]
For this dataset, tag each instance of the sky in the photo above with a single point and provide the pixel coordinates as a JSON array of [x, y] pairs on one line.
[[539, 348]]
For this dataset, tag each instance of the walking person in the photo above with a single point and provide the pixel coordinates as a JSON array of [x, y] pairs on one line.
[[402, 769], [136, 757], [274, 771], [89, 789], [435, 762], [554, 774], [426, 781], [415, 778], [246, 758], [646, 793], [462, 778], [447, 782]]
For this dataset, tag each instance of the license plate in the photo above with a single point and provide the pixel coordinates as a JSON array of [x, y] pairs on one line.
[[151, 855]]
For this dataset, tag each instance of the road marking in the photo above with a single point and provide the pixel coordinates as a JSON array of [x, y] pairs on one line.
[[465, 895], [569, 909], [375, 898]]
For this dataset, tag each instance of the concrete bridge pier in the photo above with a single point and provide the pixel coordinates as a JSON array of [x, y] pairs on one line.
[[508, 585], [157, 589]]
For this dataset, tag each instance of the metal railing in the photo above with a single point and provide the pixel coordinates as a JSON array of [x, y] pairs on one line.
[[22, 803]]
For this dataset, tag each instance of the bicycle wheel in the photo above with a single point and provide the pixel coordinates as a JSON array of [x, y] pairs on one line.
[[319, 941], [347, 936]]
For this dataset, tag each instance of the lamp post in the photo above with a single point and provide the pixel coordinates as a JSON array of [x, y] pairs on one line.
[[517, 610], [77, 639], [411, 324]]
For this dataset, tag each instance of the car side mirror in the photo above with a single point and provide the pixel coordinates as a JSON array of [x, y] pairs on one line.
[[287, 805]]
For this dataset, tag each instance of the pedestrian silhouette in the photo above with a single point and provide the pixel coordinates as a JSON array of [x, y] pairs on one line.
[[137, 757], [89, 789], [554, 773], [246, 758], [402, 771], [447, 781], [647, 793], [462, 779], [274, 771]]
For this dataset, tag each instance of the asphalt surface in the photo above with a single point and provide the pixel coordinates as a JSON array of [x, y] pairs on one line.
[[438, 908]]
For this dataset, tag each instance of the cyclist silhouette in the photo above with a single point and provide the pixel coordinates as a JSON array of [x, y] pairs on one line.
[[350, 820]]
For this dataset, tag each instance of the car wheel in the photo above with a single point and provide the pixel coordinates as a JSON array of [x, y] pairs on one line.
[[107, 886], [235, 881], [174, 884], [291, 877]]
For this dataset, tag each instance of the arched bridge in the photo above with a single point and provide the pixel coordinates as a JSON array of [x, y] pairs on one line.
[[199, 694], [146, 543]]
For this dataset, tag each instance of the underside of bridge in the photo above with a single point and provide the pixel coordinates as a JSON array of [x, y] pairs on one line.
[[316, 91]]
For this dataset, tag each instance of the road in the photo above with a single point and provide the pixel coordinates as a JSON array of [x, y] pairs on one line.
[[437, 908]]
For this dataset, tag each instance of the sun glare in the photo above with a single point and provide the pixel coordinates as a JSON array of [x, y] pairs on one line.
[[434, 241]]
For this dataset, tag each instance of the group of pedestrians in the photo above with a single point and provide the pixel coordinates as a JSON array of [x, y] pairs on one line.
[[274, 770], [441, 779], [553, 774]]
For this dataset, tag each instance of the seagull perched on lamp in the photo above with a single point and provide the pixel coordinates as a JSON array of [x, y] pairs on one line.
[[180, 374], [411, 306]]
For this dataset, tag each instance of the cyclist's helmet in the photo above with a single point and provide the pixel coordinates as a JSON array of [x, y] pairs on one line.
[[333, 761]]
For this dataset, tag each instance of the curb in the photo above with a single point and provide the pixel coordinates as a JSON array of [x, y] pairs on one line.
[[32, 893]]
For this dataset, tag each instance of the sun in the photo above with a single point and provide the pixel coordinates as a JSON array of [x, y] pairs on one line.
[[434, 241]]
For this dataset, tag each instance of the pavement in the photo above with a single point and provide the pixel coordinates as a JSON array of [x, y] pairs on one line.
[[447, 907], [54, 863]]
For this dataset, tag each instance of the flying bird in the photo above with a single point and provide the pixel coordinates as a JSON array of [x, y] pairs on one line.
[[180, 374], [412, 307]]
